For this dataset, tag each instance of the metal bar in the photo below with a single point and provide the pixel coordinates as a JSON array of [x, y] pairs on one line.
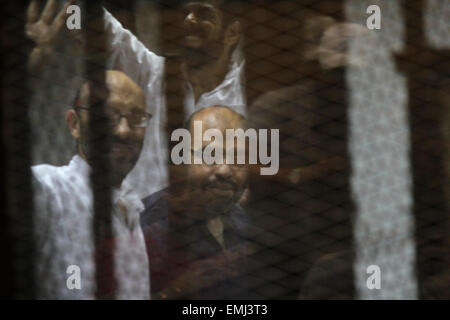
[[17, 208], [99, 143], [423, 66]]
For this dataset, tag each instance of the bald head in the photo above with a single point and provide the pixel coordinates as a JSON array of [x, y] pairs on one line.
[[217, 117], [221, 184]]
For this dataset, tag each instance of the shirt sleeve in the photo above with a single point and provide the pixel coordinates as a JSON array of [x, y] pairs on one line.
[[129, 55], [44, 239], [44, 212]]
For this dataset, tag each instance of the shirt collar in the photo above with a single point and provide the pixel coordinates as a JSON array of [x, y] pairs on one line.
[[228, 93], [80, 166], [125, 193]]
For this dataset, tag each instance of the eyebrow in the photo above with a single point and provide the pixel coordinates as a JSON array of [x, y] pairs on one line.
[[213, 13], [201, 4], [132, 106], [138, 110]]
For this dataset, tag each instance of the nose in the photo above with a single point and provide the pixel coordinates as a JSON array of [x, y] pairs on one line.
[[190, 19], [122, 128]]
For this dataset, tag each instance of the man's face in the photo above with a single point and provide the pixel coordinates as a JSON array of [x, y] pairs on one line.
[[203, 25], [217, 186], [125, 135]]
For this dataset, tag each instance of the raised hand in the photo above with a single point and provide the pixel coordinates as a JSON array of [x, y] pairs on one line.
[[46, 28]]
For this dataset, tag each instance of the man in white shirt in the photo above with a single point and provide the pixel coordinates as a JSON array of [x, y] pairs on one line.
[[212, 66], [63, 215]]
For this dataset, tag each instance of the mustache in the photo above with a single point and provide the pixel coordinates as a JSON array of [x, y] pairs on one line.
[[131, 143], [195, 30], [217, 183]]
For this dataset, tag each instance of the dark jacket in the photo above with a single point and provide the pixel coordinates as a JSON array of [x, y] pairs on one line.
[[180, 248]]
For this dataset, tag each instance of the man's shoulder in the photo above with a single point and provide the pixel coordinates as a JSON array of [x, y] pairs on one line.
[[155, 207], [240, 218], [70, 177], [155, 199], [45, 173]]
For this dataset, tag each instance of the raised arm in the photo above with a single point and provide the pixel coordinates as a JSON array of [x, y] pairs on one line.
[[130, 55], [46, 28]]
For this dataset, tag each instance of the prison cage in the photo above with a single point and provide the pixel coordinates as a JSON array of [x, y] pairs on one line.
[[363, 117]]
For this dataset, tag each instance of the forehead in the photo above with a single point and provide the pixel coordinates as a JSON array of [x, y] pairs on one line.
[[125, 96], [221, 120], [200, 4], [207, 9]]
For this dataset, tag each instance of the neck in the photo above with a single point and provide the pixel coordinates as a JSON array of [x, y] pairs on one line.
[[114, 181], [81, 154], [207, 74]]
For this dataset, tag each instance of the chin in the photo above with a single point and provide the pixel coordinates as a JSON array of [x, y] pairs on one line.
[[193, 45], [123, 161], [120, 170], [116, 179]]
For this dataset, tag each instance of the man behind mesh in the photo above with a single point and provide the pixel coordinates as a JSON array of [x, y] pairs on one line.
[[196, 230], [212, 69], [64, 205]]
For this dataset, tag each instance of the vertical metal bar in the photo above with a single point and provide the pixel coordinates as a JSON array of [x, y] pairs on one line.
[[424, 68], [99, 143], [17, 224], [174, 84], [6, 268], [174, 95]]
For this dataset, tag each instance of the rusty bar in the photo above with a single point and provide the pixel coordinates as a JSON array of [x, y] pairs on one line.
[[98, 128], [17, 207]]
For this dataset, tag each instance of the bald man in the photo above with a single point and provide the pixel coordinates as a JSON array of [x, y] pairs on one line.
[[128, 119], [212, 69], [63, 202], [197, 251], [216, 187]]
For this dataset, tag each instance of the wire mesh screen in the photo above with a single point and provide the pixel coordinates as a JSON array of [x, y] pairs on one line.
[[226, 149]]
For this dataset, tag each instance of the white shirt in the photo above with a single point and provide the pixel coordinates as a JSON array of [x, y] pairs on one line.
[[130, 55], [63, 218]]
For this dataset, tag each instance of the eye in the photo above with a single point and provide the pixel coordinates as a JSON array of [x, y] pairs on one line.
[[206, 14], [112, 115], [137, 119]]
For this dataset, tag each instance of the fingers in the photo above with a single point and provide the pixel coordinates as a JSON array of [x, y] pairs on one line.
[[33, 11], [49, 11], [62, 15]]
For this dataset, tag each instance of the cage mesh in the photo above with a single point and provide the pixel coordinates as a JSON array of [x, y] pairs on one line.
[[361, 193]]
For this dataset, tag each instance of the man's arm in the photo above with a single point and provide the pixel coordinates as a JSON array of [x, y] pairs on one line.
[[129, 54], [46, 27]]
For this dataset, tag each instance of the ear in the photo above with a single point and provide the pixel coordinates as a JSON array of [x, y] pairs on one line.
[[73, 122], [232, 35]]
